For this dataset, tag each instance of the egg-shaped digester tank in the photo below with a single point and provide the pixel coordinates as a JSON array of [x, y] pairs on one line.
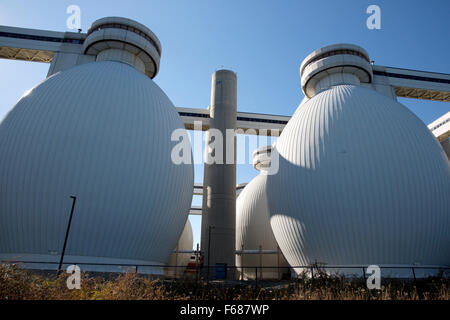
[[253, 231], [178, 259], [361, 179], [101, 132]]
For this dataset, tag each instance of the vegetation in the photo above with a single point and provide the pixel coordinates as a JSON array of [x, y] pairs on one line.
[[20, 284]]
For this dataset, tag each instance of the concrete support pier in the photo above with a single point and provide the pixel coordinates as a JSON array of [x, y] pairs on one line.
[[446, 146], [219, 181]]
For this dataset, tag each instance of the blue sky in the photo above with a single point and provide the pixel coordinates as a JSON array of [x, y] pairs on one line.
[[263, 41]]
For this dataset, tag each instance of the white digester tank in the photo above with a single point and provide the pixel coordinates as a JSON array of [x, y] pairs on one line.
[[361, 179], [253, 232], [100, 131], [178, 259]]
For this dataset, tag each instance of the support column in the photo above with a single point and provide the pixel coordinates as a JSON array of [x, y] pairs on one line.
[[446, 146], [219, 181]]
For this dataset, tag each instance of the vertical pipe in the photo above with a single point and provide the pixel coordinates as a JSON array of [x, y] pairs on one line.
[[176, 261], [219, 181], [196, 262], [278, 262], [260, 261], [242, 262], [209, 248]]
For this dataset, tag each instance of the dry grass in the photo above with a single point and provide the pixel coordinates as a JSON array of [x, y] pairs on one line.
[[19, 284]]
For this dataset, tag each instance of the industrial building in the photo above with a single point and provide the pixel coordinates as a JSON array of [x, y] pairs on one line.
[[360, 179]]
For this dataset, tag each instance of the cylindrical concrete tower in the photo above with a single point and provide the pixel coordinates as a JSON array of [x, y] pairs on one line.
[[219, 181]]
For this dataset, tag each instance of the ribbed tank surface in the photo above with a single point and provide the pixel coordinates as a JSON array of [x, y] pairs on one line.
[[361, 181], [101, 132]]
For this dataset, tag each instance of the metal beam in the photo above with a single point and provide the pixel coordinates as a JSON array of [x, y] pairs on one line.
[[198, 188], [441, 127], [42, 45], [414, 83], [249, 123], [196, 210], [37, 45]]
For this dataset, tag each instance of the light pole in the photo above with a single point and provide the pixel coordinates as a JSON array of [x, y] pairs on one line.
[[74, 199]]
